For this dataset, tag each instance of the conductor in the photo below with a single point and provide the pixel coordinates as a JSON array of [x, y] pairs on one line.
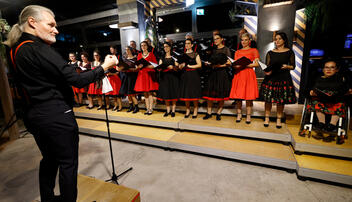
[[46, 80]]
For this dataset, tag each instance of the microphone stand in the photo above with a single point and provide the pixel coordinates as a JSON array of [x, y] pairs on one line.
[[114, 177]]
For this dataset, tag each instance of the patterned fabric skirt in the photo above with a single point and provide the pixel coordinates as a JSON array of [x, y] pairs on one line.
[[338, 109], [280, 92]]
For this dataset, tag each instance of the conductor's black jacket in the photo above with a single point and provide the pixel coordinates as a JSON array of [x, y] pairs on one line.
[[45, 75]]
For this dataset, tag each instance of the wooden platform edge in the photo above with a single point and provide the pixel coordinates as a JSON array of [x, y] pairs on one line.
[[201, 150], [93, 189], [124, 137], [192, 127], [237, 132], [320, 149], [166, 124], [323, 175], [292, 165]]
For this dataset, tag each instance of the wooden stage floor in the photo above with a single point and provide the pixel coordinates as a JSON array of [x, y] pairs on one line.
[[91, 189], [239, 141]]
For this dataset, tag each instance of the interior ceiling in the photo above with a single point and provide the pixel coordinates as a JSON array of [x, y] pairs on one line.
[[63, 9]]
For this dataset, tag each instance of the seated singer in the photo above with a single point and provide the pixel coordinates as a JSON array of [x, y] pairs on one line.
[[46, 79]]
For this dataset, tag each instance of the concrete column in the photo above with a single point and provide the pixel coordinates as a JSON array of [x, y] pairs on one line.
[[131, 11], [279, 18]]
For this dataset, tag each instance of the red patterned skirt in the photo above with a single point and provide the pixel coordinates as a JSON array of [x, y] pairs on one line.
[[338, 109]]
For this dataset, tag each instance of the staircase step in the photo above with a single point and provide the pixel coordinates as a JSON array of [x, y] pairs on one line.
[[227, 126], [324, 168], [267, 153], [311, 145]]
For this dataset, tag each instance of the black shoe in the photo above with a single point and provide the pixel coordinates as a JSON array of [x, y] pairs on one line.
[[136, 109], [131, 108], [88, 107], [149, 113], [194, 116], [100, 107], [238, 120], [266, 124], [207, 116], [319, 126], [340, 139], [172, 114], [330, 128], [187, 115], [76, 105], [114, 109], [278, 126], [146, 113], [118, 110], [329, 138], [248, 122], [166, 114], [318, 136], [218, 117]]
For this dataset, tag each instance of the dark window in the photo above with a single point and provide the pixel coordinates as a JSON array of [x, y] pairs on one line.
[[102, 34], [217, 17], [175, 23]]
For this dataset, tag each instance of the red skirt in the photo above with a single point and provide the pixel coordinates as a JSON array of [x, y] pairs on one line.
[[244, 85], [146, 81], [338, 108], [93, 89], [79, 90], [115, 82]]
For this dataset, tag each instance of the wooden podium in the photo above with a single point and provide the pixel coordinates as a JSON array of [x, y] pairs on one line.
[[91, 189]]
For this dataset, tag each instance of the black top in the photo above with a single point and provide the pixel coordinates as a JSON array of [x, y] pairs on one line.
[[45, 75], [224, 50], [168, 61], [275, 60], [335, 86]]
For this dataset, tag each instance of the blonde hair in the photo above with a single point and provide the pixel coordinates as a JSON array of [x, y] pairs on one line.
[[246, 35], [34, 11]]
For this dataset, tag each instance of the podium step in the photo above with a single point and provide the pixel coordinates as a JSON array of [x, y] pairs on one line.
[[133, 133], [267, 153], [227, 126], [91, 189], [311, 145], [323, 168]]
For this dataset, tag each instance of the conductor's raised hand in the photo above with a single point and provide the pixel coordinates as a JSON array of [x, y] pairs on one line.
[[109, 62]]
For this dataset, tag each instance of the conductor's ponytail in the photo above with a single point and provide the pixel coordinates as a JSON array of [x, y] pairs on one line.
[[13, 35]]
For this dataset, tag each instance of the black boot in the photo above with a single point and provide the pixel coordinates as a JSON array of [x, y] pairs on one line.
[[131, 108], [330, 128], [136, 109]]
